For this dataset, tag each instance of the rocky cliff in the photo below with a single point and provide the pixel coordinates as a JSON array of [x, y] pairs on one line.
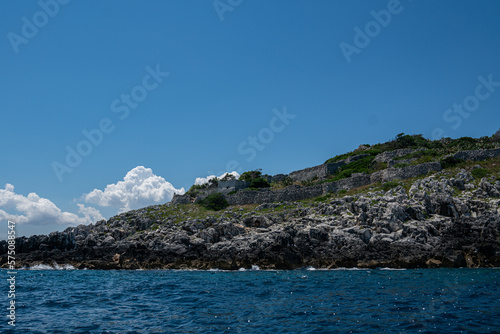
[[447, 219]]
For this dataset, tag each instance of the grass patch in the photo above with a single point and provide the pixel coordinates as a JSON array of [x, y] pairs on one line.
[[389, 185], [362, 165], [479, 173], [324, 198]]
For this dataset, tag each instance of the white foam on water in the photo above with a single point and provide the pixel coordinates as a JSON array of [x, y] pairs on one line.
[[254, 267], [54, 266], [349, 269], [394, 269], [40, 267]]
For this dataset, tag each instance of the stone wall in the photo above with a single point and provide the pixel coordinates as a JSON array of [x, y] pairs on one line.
[[389, 155], [276, 178], [391, 174], [477, 155], [320, 171], [309, 173], [233, 185]]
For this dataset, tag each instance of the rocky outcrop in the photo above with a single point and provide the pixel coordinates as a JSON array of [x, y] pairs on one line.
[[442, 221]]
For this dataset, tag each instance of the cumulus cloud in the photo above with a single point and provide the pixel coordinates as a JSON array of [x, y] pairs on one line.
[[139, 188], [203, 180], [35, 210]]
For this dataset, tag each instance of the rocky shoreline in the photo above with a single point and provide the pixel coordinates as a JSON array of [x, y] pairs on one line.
[[443, 220]]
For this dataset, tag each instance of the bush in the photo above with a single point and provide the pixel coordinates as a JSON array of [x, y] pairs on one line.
[[287, 181], [359, 166], [250, 175], [228, 177], [214, 202], [450, 162], [323, 198], [259, 182], [389, 185], [479, 173], [255, 178]]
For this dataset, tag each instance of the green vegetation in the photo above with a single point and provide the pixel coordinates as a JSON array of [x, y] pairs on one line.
[[422, 155], [214, 202], [479, 173], [450, 161], [427, 151], [432, 148], [389, 185], [362, 165], [197, 188], [228, 177], [256, 179], [323, 198]]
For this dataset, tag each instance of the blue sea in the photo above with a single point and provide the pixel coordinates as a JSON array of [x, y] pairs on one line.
[[255, 301]]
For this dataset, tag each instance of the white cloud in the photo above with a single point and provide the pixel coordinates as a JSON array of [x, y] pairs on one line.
[[203, 180], [139, 188], [35, 210]]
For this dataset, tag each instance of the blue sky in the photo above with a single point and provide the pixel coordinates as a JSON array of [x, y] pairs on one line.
[[274, 71]]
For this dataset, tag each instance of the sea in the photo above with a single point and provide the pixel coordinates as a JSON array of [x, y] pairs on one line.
[[252, 301]]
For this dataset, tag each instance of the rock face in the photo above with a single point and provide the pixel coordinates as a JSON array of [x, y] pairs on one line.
[[441, 221]]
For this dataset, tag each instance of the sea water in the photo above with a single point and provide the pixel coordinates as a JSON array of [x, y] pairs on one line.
[[254, 301]]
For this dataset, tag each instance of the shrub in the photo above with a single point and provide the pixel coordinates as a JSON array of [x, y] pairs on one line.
[[359, 166], [256, 179], [214, 202], [250, 175], [479, 173], [287, 181], [450, 162], [259, 182], [323, 198], [228, 177], [389, 185]]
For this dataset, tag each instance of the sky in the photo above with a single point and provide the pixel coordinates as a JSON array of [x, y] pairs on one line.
[[108, 106]]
